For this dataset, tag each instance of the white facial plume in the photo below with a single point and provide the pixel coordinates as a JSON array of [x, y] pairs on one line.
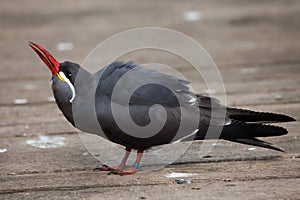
[[70, 85]]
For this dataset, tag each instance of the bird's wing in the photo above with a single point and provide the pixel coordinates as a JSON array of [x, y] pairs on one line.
[[138, 89], [153, 87], [150, 87]]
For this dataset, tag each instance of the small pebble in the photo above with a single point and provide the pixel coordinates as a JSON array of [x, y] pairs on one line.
[[182, 181]]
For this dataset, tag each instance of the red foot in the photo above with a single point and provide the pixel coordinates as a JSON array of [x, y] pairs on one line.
[[106, 168], [125, 172]]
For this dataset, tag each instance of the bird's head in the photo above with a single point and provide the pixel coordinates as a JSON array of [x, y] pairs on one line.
[[63, 74]]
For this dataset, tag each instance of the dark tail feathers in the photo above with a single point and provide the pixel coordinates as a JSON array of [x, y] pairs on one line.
[[260, 117], [245, 133]]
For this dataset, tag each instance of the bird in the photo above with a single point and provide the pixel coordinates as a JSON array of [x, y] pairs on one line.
[[237, 125]]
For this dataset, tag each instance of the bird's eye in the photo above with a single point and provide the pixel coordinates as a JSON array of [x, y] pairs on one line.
[[69, 75]]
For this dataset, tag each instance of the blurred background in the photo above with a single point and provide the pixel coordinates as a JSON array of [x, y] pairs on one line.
[[234, 33], [255, 44]]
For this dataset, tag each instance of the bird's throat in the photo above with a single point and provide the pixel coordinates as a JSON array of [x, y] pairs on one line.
[[63, 76]]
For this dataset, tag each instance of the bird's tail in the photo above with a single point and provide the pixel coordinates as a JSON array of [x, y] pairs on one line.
[[253, 116], [250, 124], [243, 132], [246, 125], [246, 133]]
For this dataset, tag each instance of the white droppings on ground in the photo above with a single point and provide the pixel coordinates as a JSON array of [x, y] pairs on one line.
[[51, 99], [20, 101], [3, 150], [85, 154], [65, 46], [179, 175], [192, 15], [251, 149], [46, 142]]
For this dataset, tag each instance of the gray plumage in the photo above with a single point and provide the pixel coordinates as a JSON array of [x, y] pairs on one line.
[[168, 91]]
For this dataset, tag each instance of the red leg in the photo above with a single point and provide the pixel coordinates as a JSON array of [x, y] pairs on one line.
[[120, 167], [136, 166]]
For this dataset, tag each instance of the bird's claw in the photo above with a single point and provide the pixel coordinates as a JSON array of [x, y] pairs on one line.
[[124, 172], [119, 170]]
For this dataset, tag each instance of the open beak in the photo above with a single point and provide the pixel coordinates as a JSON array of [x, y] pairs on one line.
[[48, 59]]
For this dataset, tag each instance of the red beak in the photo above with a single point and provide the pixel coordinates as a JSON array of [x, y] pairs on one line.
[[48, 59]]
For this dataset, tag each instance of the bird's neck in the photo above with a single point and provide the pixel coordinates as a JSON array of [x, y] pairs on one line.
[[66, 109], [63, 94]]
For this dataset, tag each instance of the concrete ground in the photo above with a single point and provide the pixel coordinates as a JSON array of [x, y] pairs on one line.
[[256, 45]]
